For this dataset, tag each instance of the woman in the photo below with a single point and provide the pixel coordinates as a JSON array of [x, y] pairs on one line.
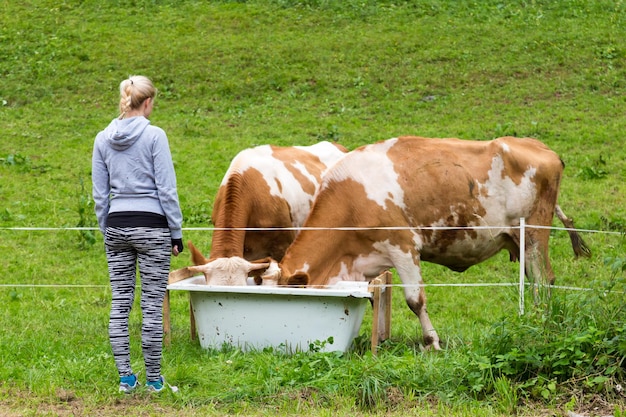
[[136, 203]]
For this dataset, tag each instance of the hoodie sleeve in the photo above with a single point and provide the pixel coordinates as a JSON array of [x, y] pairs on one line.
[[165, 179], [101, 187]]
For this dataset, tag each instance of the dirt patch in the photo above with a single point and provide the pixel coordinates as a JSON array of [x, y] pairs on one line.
[[66, 403], [75, 407]]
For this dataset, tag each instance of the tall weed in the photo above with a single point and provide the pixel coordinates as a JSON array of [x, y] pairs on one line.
[[575, 338]]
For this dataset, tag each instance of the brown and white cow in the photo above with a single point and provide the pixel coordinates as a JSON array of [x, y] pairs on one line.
[[264, 187], [378, 206]]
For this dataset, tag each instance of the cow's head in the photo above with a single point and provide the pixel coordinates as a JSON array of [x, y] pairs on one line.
[[228, 271], [232, 271]]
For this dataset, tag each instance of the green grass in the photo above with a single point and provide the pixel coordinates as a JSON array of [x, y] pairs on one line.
[[234, 74]]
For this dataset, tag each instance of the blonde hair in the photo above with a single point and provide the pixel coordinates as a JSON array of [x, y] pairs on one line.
[[133, 91]]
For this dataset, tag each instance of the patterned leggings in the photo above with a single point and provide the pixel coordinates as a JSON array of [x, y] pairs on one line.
[[150, 248]]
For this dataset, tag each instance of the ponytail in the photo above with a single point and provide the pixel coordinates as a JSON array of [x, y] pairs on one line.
[[133, 92]]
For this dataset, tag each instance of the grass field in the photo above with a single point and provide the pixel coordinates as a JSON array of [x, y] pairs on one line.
[[234, 74]]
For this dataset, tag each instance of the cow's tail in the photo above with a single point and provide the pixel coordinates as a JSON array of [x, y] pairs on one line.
[[578, 244]]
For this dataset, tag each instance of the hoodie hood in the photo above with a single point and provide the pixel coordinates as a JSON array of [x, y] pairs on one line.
[[123, 133]]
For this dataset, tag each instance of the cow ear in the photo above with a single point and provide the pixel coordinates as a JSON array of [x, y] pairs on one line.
[[257, 268], [196, 255], [202, 269], [298, 279], [180, 274], [256, 271]]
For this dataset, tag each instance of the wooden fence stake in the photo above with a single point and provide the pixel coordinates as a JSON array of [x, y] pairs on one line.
[[380, 287]]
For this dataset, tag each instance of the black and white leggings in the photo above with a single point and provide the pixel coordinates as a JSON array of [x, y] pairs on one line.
[[150, 249]]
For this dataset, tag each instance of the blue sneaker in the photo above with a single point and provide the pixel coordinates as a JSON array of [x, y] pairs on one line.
[[128, 383], [156, 386], [159, 385]]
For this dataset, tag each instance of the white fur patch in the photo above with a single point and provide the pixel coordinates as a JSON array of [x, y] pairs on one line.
[[380, 187], [383, 255], [506, 200], [280, 180], [328, 153]]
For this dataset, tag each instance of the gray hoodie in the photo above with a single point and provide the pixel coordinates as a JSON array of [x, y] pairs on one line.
[[132, 170]]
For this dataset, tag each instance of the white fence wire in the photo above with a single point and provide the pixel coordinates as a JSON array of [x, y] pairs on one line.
[[522, 284]]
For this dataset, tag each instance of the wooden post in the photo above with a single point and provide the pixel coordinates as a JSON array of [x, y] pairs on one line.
[[385, 329], [380, 287], [522, 263], [374, 288]]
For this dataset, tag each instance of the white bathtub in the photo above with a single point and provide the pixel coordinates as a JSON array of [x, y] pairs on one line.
[[290, 319]]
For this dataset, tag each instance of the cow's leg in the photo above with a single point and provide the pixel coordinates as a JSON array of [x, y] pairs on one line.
[[538, 268], [416, 299], [415, 296]]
